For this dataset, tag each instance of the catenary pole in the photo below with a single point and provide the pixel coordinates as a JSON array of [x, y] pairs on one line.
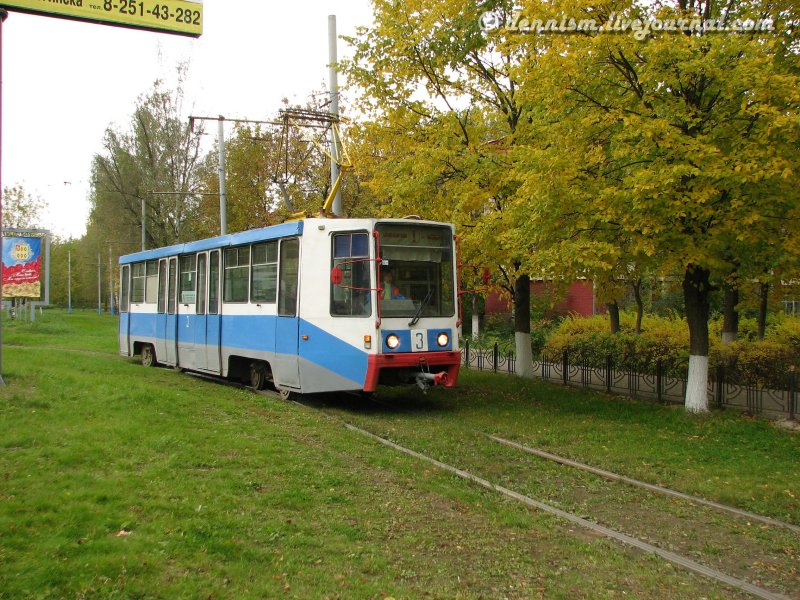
[[333, 84], [223, 197], [69, 281], [99, 287], [110, 283]]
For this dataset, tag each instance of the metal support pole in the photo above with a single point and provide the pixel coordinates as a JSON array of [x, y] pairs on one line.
[[660, 381], [3, 16], [110, 283], [47, 270], [333, 84], [223, 197], [99, 290], [144, 225], [69, 281]]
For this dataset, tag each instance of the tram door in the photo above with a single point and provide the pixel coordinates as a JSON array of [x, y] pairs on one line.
[[162, 335], [171, 322], [200, 321], [213, 319], [287, 324], [187, 299]]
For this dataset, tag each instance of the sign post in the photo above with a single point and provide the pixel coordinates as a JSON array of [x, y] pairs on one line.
[[180, 17], [3, 17]]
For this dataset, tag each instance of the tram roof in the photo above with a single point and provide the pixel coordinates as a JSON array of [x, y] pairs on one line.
[[221, 241]]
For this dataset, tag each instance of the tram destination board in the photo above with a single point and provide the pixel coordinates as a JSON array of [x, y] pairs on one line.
[[171, 16]]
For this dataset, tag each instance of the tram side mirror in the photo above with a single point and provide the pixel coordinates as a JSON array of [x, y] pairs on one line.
[[336, 276]]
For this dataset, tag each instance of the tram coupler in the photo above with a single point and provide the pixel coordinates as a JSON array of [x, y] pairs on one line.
[[425, 380]]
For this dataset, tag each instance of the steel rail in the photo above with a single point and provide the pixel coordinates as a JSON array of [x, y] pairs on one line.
[[648, 486], [613, 534], [672, 557]]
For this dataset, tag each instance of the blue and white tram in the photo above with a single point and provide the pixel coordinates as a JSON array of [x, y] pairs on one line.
[[317, 305]]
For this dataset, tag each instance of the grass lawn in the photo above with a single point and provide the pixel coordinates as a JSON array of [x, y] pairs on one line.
[[118, 481]]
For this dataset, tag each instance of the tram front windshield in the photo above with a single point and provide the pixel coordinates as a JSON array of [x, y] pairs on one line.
[[416, 270]]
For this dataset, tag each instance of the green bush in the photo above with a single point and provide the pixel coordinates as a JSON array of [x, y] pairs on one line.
[[666, 340], [786, 331], [766, 363], [589, 340]]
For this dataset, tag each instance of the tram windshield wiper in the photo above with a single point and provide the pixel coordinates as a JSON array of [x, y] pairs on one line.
[[422, 304]]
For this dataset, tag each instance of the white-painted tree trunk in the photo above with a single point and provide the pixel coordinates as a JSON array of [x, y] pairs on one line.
[[476, 326], [728, 337], [524, 364], [697, 385]]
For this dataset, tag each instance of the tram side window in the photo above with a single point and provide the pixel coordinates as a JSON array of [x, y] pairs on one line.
[[173, 266], [351, 297], [123, 292], [201, 284], [137, 281], [264, 278], [237, 274], [290, 266], [162, 286], [213, 283], [151, 285], [188, 279]]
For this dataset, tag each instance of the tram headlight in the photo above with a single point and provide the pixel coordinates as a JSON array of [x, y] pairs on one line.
[[442, 339], [392, 341]]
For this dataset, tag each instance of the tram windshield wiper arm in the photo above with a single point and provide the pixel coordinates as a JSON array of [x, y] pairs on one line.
[[422, 304]]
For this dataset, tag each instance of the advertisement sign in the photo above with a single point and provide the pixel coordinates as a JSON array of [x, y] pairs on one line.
[[169, 16], [22, 262]]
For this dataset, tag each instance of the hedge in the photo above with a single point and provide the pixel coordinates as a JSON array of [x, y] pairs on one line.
[[666, 340]]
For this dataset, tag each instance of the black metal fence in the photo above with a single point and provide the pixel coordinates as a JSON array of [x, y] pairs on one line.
[[725, 388]]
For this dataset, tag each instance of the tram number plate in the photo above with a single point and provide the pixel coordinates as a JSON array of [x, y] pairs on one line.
[[419, 341]]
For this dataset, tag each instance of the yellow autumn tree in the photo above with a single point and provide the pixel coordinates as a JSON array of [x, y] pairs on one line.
[[440, 117], [682, 142]]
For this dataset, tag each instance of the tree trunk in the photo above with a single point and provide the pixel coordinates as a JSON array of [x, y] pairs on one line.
[[522, 326], [696, 290], [763, 293], [637, 294], [730, 319], [476, 318], [613, 316]]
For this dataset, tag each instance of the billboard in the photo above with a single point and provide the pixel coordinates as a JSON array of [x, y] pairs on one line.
[[170, 16], [22, 267]]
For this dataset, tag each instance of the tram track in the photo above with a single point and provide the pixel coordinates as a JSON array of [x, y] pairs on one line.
[[623, 538], [611, 476], [634, 541], [585, 522], [644, 485]]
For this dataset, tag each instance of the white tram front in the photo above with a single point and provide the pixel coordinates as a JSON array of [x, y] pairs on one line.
[[317, 305]]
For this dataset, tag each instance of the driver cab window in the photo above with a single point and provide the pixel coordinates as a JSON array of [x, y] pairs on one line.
[[350, 293]]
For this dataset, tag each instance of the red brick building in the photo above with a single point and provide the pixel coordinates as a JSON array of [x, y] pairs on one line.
[[579, 299]]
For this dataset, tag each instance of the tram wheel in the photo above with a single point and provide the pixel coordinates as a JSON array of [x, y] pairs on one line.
[[287, 394], [148, 356], [258, 375]]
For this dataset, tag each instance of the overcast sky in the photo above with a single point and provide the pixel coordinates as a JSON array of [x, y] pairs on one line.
[[65, 82]]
